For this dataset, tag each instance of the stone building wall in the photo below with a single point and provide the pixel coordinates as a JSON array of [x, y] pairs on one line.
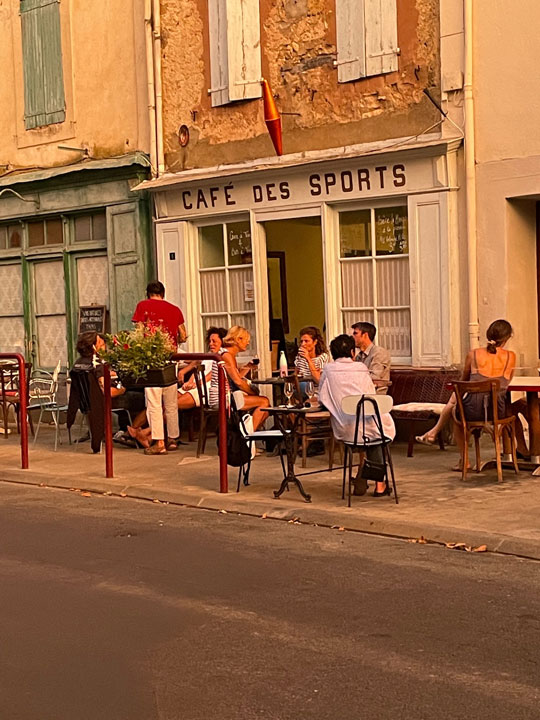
[[298, 40]]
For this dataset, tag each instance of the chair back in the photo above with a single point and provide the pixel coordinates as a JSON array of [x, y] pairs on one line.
[[202, 386], [489, 389], [367, 407], [384, 403], [80, 387]]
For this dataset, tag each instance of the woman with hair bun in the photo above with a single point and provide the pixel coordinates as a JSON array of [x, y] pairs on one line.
[[493, 362]]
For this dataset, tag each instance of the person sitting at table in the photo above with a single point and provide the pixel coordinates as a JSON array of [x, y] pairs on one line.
[[312, 355], [375, 358], [345, 377], [493, 362], [236, 341]]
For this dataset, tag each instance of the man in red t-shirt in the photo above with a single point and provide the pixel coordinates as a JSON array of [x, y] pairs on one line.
[[160, 312]]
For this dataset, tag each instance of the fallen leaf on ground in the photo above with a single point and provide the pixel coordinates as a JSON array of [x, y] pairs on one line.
[[421, 540], [480, 548], [264, 516], [341, 529], [86, 494], [155, 500], [123, 494], [224, 512]]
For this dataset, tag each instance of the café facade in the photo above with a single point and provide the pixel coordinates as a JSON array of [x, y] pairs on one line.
[[322, 238]]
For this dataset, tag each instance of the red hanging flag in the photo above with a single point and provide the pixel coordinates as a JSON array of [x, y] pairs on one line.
[[272, 118]]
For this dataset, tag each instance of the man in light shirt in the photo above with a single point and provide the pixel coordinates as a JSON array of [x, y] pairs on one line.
[[374, 357], [345, 377]]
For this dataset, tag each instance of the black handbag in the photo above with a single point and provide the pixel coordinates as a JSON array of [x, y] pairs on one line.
[[373, 471]]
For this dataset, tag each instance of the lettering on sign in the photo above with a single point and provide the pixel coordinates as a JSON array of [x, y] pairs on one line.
[[321, 185], [92, 317]]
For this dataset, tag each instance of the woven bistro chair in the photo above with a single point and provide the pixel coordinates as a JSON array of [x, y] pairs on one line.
[[492, 424]]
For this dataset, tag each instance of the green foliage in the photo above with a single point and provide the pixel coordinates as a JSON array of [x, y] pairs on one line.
[[133, 352]]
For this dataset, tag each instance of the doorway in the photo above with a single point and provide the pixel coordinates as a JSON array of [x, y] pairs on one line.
[[295, 275]]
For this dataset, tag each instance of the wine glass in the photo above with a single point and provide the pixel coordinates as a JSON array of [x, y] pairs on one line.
[[310, 390], [288, 390]]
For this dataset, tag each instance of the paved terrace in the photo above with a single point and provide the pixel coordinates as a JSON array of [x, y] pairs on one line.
[[434, 503]]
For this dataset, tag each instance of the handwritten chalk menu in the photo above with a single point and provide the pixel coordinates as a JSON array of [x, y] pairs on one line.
[[92, 317]]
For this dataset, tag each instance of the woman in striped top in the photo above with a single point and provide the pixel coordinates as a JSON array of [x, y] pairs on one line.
[[237, 340], [312, 355]]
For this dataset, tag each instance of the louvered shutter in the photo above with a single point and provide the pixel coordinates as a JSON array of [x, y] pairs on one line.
[[235, 51], [44, 101], [366, 38]]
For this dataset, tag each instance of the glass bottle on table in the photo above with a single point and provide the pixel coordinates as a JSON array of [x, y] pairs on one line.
[[283, 367]]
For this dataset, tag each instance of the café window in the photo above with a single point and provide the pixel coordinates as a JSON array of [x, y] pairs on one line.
[[89, 228], [10, 236], [226, 276], [374, 259], [45, 232]]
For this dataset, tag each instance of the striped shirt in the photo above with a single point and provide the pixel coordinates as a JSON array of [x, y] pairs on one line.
[[302, 364], [213, 395]]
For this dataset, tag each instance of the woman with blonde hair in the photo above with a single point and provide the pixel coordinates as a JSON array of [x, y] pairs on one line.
[[237, 341]]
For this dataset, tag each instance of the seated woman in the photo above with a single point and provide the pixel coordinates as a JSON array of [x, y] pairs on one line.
[[188, 395], [236, 341], [490, 363], [88, 344], [312, 355]]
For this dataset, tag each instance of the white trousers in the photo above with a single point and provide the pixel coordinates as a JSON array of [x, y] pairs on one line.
[[155, 397]]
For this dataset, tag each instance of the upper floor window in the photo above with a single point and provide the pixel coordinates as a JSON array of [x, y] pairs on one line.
[[44, 101], [235, 50], [366, 38]]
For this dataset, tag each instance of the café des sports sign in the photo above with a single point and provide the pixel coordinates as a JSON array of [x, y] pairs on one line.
[[312, 184]]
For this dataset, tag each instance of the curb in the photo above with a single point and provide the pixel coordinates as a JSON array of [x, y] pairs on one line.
[[308, 515]]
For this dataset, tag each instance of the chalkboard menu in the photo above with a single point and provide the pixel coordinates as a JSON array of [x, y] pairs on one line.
[[92, 317]]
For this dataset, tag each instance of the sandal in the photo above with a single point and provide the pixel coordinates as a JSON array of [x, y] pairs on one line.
[[155, 450], [425, 439], [172, 444]]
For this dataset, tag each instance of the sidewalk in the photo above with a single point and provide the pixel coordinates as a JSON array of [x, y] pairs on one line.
[[434, 503]]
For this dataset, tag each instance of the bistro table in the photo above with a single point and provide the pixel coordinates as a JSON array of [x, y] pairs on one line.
[[531, 386], [287, 419]]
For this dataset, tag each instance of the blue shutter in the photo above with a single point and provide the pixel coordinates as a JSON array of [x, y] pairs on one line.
[[44, 101]]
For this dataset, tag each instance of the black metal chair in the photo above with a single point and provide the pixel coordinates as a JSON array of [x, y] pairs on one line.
[[251, 437], [367, 407]]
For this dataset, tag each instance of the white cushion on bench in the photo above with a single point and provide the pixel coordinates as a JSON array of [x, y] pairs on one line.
[[420, 406]]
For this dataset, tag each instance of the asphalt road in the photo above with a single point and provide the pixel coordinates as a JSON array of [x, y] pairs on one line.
[[112, 609]]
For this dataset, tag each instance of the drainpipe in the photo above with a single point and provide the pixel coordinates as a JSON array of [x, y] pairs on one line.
[[149, 44], [159, 96], [470, 172]]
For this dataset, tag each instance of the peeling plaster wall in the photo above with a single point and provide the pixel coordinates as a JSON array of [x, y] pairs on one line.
[[298, 39]]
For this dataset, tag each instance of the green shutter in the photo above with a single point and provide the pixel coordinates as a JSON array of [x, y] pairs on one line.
[[44, 101]]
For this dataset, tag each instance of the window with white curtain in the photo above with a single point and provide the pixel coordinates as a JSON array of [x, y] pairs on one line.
[[375, 286], [226, 277]]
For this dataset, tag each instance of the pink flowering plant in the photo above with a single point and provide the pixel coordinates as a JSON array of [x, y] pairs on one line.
[[132, 353]]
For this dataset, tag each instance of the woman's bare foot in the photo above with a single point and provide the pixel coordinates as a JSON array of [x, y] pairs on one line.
[[426, 439], [141, 436]]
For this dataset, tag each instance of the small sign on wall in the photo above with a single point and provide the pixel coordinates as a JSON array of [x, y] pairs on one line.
[[92, 317], [248, 291]]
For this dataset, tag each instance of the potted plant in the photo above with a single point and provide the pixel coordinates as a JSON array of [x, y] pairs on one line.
[[142, 356]]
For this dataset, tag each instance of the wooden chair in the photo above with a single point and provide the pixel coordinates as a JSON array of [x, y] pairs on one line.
[[315, 427], [205, 411], [493, 426]]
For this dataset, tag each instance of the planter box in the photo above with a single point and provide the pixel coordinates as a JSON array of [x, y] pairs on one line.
[[162, 377]]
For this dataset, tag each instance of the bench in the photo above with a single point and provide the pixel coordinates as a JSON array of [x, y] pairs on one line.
[[420, 396]]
